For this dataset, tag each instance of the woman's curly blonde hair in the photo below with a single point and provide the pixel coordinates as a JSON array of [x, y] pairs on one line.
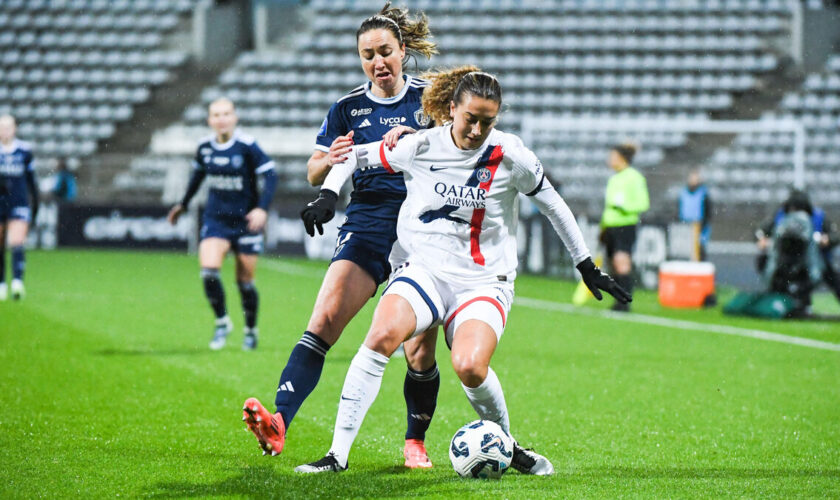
[[451, 85]]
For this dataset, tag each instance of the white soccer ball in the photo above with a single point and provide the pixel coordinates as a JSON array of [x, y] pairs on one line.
[[481, 449]]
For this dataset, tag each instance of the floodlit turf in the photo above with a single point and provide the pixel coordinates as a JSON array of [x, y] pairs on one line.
[[107, 388]]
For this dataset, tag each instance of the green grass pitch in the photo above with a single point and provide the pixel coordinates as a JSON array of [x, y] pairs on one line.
[[108, 389]]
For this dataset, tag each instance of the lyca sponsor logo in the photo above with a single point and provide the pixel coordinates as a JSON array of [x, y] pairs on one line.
[[391, 121]]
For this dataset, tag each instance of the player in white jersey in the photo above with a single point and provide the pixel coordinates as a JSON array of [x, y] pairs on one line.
[[457, 236]]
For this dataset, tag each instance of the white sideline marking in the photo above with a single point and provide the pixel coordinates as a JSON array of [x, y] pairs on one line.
[[297, 270], [676, 323]]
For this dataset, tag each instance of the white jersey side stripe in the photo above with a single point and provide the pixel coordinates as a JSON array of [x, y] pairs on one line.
[[270, 165], [353, 93]]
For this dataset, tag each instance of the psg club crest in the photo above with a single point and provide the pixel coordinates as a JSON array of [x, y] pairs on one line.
[[483, 174], [422, 118], [236, 161]]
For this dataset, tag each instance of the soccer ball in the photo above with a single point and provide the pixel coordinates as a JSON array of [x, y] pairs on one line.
[[481, 449]]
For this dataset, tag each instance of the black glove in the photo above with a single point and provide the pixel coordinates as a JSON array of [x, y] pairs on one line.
[[319, 211], [597, 280]]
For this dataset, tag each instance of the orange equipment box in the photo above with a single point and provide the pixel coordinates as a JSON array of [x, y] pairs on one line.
[[685, 283]]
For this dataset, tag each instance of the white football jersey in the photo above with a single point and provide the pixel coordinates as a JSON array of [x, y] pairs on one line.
[[460, 215]]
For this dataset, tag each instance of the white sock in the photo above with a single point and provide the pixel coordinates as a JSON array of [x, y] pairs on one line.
[[360, 389], [488, 400]]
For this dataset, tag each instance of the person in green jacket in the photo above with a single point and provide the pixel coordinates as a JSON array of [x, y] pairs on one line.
[[626, 199]]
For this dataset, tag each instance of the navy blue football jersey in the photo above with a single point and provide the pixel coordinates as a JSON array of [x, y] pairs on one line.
[[231, 171], [377, 195], [15, 162]]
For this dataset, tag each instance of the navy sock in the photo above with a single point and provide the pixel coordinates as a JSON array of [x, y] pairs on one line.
[[18, 263], [250, 302], [421, 391], [301, 375], [214, 291], [2, 262]]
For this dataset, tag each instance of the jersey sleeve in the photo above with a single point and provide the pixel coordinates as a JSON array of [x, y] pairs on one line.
[[198, 161], [28, 161], [528, 172], [638, 200], [552, 205], [334, 125], [259, 160], [398, 159], [373, 154]]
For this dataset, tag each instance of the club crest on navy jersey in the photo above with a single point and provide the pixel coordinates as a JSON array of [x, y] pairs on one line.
[[422, 118]]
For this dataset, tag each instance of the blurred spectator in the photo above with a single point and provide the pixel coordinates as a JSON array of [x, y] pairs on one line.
[[695, 207], [65, 183], [795, 249]]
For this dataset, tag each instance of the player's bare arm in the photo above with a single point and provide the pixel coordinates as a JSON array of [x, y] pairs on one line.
[[320, 163], [175, 213], [390, 139]]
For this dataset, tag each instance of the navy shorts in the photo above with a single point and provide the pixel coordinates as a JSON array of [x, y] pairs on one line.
[[370, 252], [9, 209], [241, 240]]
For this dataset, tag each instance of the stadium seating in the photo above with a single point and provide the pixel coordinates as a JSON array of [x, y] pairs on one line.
[[566, 59], [760, 161], [71, 70]]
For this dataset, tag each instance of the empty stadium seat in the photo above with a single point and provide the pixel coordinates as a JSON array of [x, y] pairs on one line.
[[72, 68]]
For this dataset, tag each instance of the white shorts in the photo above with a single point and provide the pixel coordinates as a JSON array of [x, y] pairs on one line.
[[436, 302]]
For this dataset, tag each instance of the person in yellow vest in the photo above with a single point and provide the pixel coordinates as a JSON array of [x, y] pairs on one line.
[[626, 199]]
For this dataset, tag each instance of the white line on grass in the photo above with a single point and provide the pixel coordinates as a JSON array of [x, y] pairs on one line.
[[676, 323], [307, 272]]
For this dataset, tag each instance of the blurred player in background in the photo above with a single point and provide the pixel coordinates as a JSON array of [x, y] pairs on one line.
[[695, 208], [385, 106], [234, 217], [457, 230], [18, 203], [625, 200]]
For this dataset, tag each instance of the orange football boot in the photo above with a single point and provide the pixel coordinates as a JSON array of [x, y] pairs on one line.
[[415, 455], [269, 429]]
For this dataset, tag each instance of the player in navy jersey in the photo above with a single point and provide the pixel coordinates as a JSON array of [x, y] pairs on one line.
[[17, 209], [385, 106], [234, 217]]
